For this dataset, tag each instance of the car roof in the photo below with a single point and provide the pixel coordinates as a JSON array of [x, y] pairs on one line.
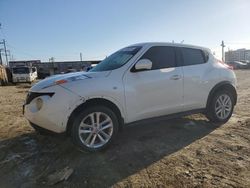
[[150, 44]]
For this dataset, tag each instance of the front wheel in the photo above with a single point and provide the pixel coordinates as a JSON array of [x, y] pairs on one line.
[[95, 128], [221, 107]]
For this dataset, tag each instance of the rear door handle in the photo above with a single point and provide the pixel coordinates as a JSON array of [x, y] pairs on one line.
[[175, 77]]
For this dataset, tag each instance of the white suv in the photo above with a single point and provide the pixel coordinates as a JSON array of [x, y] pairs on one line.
[[138, 82]]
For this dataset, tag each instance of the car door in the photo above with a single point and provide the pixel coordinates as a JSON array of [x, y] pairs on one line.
[[155, 92], [198, 77]]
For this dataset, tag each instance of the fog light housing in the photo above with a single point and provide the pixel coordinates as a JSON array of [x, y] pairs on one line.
[[39, 103]]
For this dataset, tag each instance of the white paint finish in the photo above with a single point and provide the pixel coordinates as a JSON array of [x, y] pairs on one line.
[[108, 86], [138, 95], [53, 114], [50, 81], [143, 64], [198, 81], [153, 93]]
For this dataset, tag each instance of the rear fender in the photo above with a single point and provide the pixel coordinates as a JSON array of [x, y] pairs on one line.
[[222, 85]]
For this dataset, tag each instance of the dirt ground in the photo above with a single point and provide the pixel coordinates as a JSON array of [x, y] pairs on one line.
[[184, 152]]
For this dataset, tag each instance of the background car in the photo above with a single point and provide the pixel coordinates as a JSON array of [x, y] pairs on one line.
[[247, 62], [238, 65]]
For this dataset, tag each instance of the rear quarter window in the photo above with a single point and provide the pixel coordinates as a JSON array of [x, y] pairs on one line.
[[193, 56]]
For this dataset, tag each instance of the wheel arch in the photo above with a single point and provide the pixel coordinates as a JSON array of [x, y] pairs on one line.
[[91, 102], [222, 85]]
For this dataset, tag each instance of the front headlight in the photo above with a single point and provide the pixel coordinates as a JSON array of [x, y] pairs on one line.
[[71, 79], [66, 80], [39, 103]]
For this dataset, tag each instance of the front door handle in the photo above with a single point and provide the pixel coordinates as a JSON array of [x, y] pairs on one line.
[[175, 77]]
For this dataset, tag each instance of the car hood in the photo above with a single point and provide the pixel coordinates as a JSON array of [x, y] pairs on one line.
[[50, 81]]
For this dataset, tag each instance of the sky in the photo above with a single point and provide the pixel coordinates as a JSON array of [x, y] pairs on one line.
[[40, 29]]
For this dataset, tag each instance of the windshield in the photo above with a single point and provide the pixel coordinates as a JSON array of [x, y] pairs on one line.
[[117, 59], [21, 70]]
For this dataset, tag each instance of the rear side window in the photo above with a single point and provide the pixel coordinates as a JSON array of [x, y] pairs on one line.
[[193, 56], [161, 57]]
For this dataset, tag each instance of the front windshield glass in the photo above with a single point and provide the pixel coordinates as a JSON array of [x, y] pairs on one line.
[[21, 70], [117, 59]]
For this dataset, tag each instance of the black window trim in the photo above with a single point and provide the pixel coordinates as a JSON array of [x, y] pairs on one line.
[[177, 63], [202, 51], [137, 46], [205, 55]]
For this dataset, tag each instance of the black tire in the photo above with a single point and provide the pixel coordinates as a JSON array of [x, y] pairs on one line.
[[211, 112], [81, 116]]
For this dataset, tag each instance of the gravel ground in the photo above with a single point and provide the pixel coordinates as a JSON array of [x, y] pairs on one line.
[[183, 152]]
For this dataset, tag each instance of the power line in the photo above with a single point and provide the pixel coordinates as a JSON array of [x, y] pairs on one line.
[[1, 29], [12, 47], [243, 43], [21, 51]]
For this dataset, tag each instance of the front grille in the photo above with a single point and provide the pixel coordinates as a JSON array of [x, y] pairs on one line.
[[33, 95]]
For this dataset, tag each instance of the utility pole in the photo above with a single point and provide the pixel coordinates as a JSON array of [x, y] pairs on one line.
[[1, 61], [80, 56], [222, 48], [8, 54], [5, 51]]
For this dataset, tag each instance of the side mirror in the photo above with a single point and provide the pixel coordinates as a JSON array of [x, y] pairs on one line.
[[143, 64]]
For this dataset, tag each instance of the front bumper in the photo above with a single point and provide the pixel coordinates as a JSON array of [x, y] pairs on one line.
[[21, 79], [53, 115], [42, 118]]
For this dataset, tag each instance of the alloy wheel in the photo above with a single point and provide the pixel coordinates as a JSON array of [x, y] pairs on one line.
[[96, 129], [223, 106]]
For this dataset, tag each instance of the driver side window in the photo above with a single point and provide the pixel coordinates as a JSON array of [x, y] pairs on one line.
[[161, 57]]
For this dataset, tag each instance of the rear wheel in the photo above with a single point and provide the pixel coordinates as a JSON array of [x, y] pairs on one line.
[[221, 107], [95, 128]]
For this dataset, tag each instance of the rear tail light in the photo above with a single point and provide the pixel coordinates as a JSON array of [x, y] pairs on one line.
[[225, 65]]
